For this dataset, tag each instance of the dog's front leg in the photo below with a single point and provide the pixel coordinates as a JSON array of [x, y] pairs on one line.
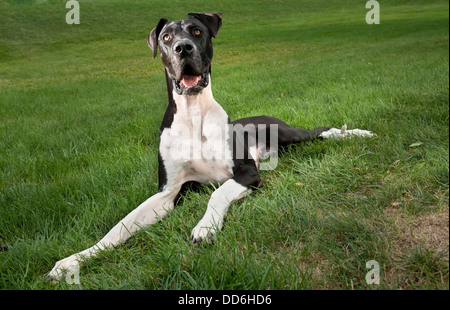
[[217, 208], [149, 212]]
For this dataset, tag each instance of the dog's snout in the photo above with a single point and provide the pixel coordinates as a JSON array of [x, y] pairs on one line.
[[183, 47]]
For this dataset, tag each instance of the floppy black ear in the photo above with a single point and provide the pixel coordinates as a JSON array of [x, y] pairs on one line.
[[152, 38], [212, 21]]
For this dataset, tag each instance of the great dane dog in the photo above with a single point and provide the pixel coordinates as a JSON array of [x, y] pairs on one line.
[[197, 140]]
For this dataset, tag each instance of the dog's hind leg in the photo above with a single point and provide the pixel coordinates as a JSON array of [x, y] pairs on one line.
[[289, 135], [285, 134], [147, 213]]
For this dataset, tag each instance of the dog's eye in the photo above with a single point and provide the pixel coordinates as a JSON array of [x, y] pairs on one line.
[[166, 37], [197, 32]]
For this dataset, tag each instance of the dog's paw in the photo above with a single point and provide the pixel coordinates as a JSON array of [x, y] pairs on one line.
[[204, 232], [345, 133], [67, 266]]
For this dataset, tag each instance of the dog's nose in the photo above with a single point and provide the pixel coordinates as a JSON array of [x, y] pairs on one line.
[[183, 47]]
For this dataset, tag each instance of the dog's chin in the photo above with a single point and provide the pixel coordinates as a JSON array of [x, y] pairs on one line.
[[190, 85]]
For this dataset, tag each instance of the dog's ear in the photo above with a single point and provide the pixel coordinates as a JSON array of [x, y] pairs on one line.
[[212, 21], [152, 38]]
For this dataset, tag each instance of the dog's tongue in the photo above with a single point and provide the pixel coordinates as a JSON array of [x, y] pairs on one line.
[[190, 80]]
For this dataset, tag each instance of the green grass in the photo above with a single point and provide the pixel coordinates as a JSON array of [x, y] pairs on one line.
[[81, 107]]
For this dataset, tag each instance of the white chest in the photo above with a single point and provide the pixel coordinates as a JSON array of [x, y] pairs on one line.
[[196, 146]]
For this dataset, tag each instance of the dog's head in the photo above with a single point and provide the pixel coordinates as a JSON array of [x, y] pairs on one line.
[[186, 49]]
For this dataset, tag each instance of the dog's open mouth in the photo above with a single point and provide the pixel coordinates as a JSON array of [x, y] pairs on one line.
[[191, 84], [190, 80]]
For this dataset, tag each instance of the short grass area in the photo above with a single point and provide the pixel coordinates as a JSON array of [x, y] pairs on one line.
[[80, 108]]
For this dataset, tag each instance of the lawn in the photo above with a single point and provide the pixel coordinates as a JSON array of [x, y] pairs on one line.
[[80, 109]]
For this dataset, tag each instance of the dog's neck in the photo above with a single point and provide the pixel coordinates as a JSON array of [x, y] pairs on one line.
[[194, 105], [183, 108]]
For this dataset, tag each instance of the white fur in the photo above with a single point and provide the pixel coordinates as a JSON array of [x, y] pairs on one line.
[[344, 133], [195, 147], [218, 205]]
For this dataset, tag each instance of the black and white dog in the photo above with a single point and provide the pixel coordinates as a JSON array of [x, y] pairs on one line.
[[197, 140]]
